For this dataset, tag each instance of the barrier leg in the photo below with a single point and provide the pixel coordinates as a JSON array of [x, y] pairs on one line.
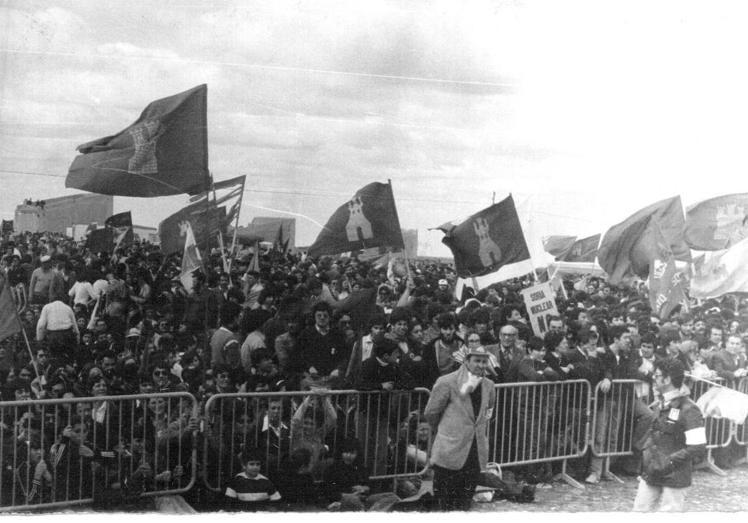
[[607, 474], [709, 464], [564, 476]]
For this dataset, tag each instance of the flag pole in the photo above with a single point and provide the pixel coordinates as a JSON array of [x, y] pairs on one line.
[[220, 232], [236, 225], [405, 253]]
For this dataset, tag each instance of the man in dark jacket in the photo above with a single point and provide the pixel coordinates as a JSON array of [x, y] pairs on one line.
[[675, 439], [321, 349]]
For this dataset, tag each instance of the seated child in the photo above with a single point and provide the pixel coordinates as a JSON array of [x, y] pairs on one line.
[[250, 490]]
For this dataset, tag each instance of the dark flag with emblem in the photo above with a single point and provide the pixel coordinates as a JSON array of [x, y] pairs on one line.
[[164, 152], [202, 216], [121, 226], [367, 220], [628, 248], [487, 240], [584, 250], [718, 223]]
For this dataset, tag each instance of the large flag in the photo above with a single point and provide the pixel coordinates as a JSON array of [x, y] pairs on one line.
[[721, 272], [628, 248], [164, 152], [584, 250], [121, 226], [666, 283], [487, 240], [203, 216], [191, 259], [722, 402], [558, 245], [8, 316], [718, 223], [368, 220]]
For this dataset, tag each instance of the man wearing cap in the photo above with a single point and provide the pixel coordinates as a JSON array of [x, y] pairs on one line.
[[41, 281], [458, 410]]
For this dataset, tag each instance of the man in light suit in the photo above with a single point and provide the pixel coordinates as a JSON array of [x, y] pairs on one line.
[[459, 409]]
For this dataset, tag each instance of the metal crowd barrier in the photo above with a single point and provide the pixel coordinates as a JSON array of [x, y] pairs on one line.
[[62, 452], [741, 431], [613, 422], [311, 426], [540, 422], [719, 431]]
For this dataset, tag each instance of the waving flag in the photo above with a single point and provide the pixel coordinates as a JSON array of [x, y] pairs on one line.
[[202, 215], [191, 259], [584, 250], [628, 248], [9, 324], [367, 220], [487, 240], [718, 223], [666, 283], [121, 226], [558, 245], [721, 272], [164, 152]]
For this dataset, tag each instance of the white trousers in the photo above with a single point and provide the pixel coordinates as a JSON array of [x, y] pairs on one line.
[[671, 499]]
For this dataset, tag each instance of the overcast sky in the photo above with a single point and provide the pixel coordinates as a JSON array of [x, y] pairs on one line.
[[585, 110]]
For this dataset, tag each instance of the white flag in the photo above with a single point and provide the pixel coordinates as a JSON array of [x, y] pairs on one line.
[[191, 259]]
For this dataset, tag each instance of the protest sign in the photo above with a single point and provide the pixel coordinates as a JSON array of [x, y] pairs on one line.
[[541, 306]]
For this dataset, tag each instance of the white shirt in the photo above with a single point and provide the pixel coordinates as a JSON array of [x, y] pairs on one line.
[[100, 287], [55, 316], [82, 292]]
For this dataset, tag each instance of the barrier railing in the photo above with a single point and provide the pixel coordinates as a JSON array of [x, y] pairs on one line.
[[741, 431], [719, 431], [613, 421], [312, 426], [63, 452], [540, 422]]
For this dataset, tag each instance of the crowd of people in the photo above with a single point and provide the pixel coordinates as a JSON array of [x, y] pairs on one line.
[[108, 325]]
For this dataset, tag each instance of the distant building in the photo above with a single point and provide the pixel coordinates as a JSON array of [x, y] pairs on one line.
[[146, 233], [59, 214]]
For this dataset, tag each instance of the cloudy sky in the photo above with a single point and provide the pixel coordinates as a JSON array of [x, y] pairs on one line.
[[584, 110]]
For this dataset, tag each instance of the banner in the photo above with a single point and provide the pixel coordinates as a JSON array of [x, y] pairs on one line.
[[368, 220], [718, 223], [541, 306], [164, 152], [487, 240], [721, 272], [628, 248]]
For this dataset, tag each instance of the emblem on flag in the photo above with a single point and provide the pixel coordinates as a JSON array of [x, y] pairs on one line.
[[144, 137], [488, 251], [357, 222]]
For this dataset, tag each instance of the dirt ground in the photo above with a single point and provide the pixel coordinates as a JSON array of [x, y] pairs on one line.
[[709, 493]]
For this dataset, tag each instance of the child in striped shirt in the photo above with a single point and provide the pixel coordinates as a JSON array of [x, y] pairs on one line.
[[250, 490]]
